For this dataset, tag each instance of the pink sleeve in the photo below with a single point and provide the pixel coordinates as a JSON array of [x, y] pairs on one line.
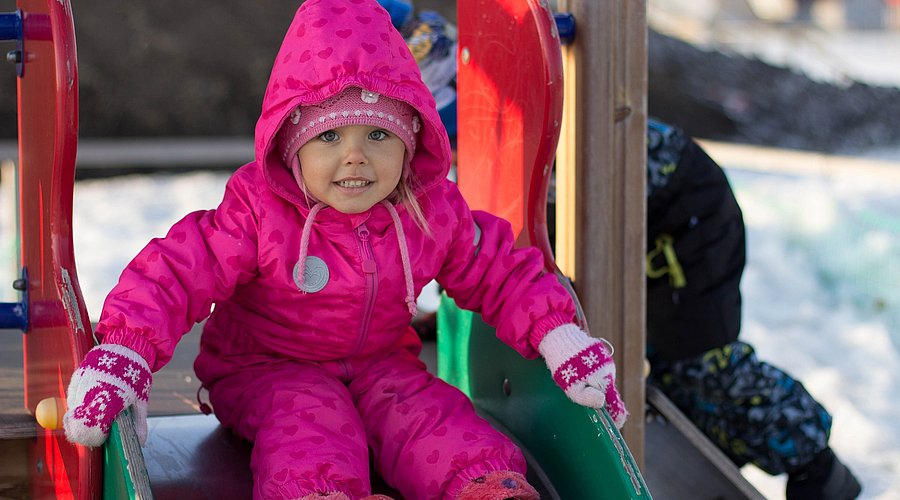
[[172, 283], [484, 273]]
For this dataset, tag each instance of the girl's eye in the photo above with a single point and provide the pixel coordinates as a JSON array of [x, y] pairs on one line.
[[328, 136], [378, 135]]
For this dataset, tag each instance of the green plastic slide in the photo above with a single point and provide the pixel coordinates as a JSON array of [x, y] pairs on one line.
[[573, 452]]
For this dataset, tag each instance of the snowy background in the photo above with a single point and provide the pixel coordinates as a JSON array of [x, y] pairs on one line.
[[822, 302]]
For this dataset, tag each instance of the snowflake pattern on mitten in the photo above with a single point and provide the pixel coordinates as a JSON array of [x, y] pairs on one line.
[[110, 378]]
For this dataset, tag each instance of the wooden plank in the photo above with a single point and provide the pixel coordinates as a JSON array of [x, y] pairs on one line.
[[155, 152], [606, 70], [792, 161], [14, 468], [683, 462], [125, 473], [17, 426]]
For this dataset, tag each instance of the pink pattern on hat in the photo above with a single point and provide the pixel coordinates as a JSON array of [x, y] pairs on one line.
[[352, 106]]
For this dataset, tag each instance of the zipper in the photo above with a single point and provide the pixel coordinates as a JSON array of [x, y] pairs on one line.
[[369, 268]]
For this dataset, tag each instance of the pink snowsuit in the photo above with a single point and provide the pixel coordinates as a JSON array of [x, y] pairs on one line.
[[316, 377]]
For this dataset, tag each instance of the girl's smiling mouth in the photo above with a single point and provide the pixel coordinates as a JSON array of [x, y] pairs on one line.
[[353, 183]]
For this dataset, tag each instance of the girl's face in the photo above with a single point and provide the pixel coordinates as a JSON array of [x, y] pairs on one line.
[[351, 168]]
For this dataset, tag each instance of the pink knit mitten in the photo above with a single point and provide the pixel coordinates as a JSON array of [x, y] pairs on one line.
[[583, 367], [110, 378], [501, 485]]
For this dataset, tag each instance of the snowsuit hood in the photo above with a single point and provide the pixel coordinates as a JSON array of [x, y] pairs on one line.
[[295, 282], [329, 46]]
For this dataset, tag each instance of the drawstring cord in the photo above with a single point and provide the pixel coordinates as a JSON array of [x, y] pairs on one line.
[[204, 407], [404, 257], [401, 240], [304, 241]]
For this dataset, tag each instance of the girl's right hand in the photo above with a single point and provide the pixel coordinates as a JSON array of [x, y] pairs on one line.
[[110, 378]]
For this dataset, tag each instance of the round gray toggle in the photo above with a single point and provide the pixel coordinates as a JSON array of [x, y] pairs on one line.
[[315, 275]]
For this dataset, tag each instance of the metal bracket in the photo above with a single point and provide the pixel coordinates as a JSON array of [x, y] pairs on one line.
[[11, 28], [565, 25]]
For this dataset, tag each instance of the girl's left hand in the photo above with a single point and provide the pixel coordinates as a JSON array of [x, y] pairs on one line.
[[584, 369]]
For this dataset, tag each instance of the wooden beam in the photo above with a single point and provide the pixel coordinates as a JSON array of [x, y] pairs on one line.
[[601, 169]]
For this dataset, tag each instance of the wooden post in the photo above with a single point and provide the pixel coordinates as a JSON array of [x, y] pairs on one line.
[[601, 170]]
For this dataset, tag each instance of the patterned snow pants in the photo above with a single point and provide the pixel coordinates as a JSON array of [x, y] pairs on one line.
[[314, 425], [753, 411]]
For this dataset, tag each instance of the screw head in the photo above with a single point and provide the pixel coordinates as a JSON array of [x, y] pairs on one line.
[[14, 56], [20, 284]]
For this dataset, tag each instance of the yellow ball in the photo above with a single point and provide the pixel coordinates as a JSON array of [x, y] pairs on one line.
[[49, 413]]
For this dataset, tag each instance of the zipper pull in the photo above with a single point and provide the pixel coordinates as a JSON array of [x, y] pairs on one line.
[[368, 264]]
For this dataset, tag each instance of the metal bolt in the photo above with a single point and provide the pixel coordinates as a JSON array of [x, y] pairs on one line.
[[507, 387], [40, 466], [14, 56], [20, 284], [464, 55]]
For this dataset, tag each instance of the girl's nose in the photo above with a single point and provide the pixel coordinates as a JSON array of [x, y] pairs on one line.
[[355, 154]]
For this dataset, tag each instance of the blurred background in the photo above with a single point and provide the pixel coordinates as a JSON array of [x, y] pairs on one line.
[[799, 100]]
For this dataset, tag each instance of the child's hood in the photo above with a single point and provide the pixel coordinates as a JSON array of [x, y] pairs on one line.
[[329, 46]]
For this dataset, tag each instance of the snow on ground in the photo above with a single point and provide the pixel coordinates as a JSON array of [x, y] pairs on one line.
[[822, 302]]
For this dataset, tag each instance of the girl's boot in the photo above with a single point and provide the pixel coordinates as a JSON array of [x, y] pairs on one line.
[[325, 496], [501, 485]]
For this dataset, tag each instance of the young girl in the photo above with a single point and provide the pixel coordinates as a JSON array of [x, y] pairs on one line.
[[313, 261]]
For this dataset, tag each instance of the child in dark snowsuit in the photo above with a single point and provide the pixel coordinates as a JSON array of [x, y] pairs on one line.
[[753, 411], [313, 261]]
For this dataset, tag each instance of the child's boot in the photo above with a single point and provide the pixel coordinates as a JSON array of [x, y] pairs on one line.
[[824, 478], [502, 485]]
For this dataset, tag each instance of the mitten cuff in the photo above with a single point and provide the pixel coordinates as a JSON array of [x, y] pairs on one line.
[[114, 331]]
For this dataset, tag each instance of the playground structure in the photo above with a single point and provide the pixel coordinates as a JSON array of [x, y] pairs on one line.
[[188, 456]]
